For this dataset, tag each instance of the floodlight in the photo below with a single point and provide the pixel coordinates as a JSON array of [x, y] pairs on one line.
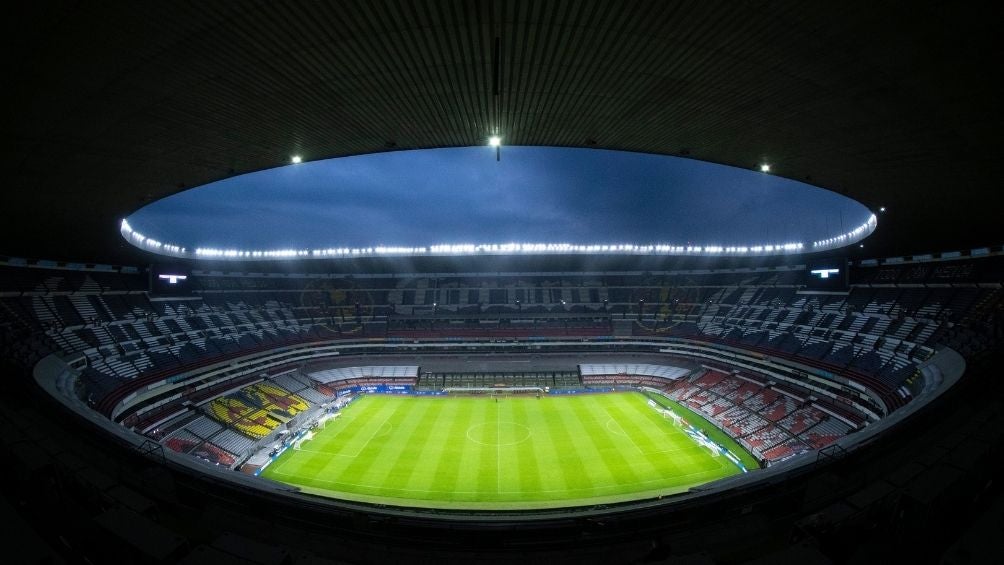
[[765, 168], [297, 159], [882, 209], [494, 141]]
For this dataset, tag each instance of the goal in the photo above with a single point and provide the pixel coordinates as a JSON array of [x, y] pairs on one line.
[[299, 442], [319, 424], [669, 414], [694, 434]]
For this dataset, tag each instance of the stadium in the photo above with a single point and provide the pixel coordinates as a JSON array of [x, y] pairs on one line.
[[819, 389]]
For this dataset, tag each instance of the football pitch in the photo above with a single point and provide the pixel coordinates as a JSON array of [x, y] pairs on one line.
[[519, 452]]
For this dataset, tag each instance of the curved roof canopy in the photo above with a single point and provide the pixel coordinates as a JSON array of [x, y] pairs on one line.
[[464, 201], [111, 107]]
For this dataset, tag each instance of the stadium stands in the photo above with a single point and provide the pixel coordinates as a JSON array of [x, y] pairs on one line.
[[126, 338], [251, 420]]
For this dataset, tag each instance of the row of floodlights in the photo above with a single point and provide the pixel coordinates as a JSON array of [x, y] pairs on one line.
[[496, 249], [156, 246], [849, 237], [141, 240]]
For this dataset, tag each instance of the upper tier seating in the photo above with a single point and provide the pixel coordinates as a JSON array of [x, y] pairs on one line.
[[874, 335]]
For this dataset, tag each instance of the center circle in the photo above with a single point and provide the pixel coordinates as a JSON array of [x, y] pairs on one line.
[[498, 433]]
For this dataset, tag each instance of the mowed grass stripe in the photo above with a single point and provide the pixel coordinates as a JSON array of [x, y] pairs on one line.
[[572, 456], [624, 418], [526, 469], [502, 435], [547, 450], [352, 446], [687, 458], [347, 434], [656, 448], [348, 445], [441, 449], [580, 425], [699, 421], [609, 449], [645, 426], [687, 462], [518, 453], [378, 464], [666, 447], [328, 450], [450, 472], [323, 444], [477, 461]]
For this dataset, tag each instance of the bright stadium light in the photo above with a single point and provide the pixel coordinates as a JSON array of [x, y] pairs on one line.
[[765, 168], [144, 241], [494, 141], [882, 209], [297, 159]]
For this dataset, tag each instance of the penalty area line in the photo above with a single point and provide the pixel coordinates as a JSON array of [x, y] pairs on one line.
[[623, 431], [372, 436]]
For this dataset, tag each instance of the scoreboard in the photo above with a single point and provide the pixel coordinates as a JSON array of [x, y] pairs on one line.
[[169, 280], [827, 275]]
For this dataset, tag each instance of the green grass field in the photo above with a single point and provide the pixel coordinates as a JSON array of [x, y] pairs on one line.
[[519, 452]]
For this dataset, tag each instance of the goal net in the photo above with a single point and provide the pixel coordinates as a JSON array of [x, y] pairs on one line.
[[712, 447], [319, 424], [299, 442], [694, 434], [670, 415], [704, 441]]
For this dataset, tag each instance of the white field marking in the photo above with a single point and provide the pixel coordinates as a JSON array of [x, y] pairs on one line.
[[693, 448], [548, 491], [620, 433], [696, 447], [378, 432], [340, 429], [329, 454], [529, 434], [624, 433], [360, 450]]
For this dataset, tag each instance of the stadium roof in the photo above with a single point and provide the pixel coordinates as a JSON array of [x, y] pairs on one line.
[[110, 106]]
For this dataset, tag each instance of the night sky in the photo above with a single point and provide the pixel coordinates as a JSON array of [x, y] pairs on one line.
[[533, 195]]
